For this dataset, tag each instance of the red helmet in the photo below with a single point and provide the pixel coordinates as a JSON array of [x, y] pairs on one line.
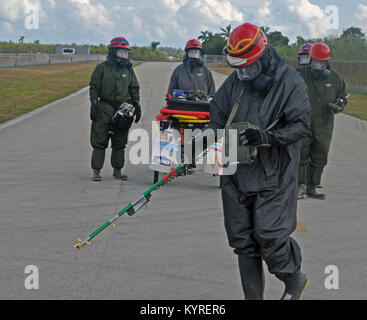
[[193, 44], [119, 42], [320, 51], [245, 45], [305, 48]]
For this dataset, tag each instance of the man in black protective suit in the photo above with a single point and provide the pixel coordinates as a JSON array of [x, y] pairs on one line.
[[260, 199], [328, 97], [192, 74]]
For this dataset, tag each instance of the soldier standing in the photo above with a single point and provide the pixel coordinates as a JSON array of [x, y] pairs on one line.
[[327, 93], [112, 83]]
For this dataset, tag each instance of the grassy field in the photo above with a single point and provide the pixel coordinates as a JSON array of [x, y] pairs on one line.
[[24, 89], [357, 106], [357, 103]]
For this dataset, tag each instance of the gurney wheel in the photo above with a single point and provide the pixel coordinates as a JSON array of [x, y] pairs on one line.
[[156, 177]]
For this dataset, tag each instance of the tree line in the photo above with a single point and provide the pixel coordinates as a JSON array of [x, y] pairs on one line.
[[350, 45], [152, 52]]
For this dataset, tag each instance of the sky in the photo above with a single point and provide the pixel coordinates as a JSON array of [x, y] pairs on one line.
[[171, 22]]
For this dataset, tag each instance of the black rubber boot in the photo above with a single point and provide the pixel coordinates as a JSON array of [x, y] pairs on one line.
[[312, 193], [118, 175], [301, 193], [191, 169], [294, 286], [252, 277], [96, 175]]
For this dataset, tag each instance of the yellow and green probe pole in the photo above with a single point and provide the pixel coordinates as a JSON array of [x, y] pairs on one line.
[[132, 207]]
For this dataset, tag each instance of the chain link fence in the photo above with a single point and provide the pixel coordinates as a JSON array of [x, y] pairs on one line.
[[353, 72], [8, 60], [216, 60]]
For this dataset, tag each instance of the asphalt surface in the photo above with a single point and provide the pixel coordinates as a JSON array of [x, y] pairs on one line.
[[176, 248]]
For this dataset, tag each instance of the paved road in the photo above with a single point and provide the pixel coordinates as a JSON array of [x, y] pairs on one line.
[[176, 248]]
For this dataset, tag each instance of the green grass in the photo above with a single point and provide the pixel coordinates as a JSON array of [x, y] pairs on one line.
[[357, 103], [24, 89], [357, 106]]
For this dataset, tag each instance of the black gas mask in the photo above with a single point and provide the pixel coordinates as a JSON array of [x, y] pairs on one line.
[[256, 74], [195, 62], [119, 56], [319, 69]]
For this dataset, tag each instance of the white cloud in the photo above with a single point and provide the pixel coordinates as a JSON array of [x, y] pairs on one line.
[[278, 27], [82, 2], [15, 12], [52, 3], [293, 18], [361, 16], [92, 17], [264, 14], [311, 15], [219, 10], [93, 21], [264, 10], [12, 11], [174, 21], [361, 13], [171, 22], [6, 26], [172, 5]]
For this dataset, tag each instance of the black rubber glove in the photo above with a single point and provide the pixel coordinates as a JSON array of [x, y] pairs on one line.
[[256, 138], [94, 110], [337, 106], [137, 111]]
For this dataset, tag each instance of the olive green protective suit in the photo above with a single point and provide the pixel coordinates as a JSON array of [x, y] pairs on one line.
[[111, 84], [315, 146]]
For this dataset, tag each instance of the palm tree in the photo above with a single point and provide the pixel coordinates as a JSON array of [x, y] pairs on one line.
[[154, 45], [226, 32], [204, 35], [265, 29], [21, 39]]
